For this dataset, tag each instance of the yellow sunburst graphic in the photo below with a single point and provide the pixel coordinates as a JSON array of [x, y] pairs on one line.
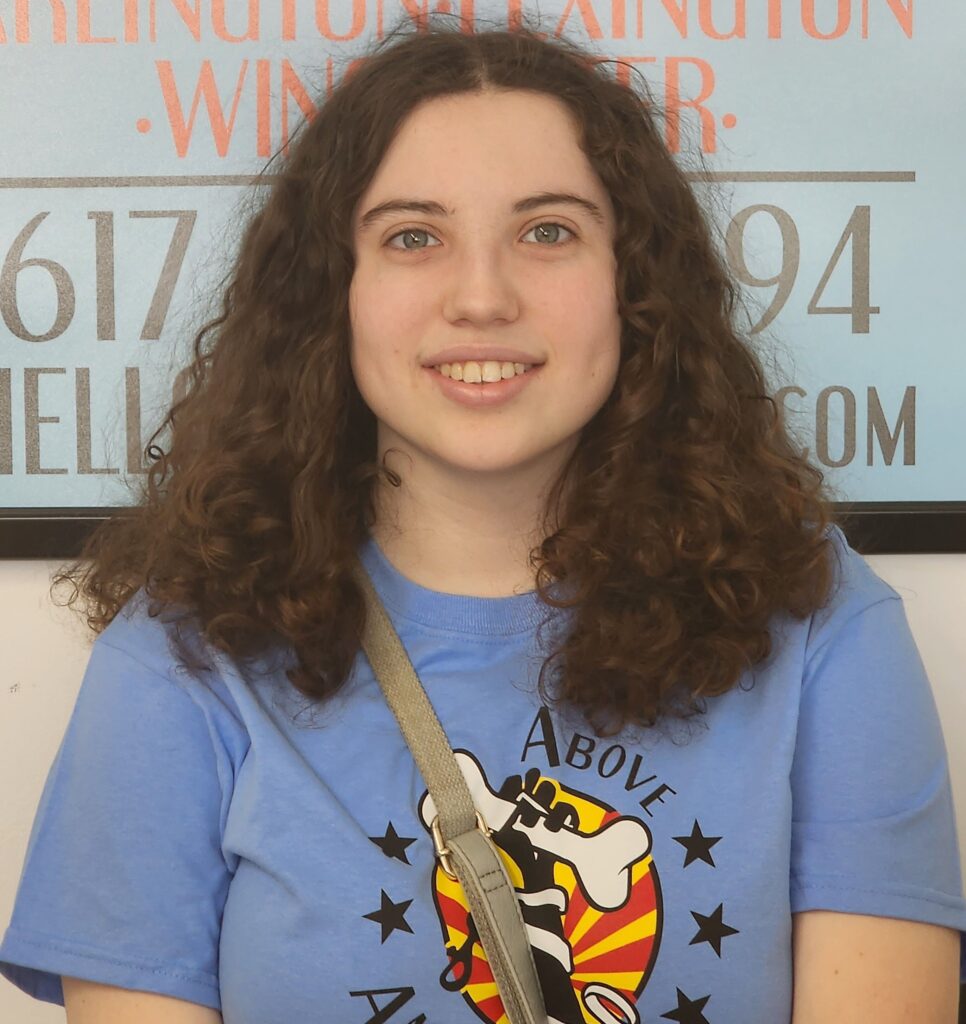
[[612, 949]]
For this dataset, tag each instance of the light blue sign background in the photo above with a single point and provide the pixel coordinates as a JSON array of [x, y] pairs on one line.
[[877, 105]]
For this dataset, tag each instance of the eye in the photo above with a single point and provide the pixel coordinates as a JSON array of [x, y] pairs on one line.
[[422, 231], [408, 231], [553, 224]]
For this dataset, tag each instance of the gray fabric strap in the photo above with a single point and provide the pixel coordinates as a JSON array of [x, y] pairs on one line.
[[472, 855]]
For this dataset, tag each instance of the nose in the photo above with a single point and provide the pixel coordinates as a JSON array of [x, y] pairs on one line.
[[483, 287]]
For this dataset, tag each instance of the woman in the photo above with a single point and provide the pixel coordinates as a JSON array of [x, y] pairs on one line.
[[479, 337]]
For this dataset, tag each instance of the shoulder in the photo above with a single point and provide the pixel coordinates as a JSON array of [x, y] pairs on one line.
[[857, 581], [143, 633], [144, 639], [856, 588]]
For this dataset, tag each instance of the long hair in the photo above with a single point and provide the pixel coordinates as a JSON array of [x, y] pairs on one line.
[[684, 520]]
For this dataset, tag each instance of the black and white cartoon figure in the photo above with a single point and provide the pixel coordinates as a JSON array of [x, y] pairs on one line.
[[588, 893]]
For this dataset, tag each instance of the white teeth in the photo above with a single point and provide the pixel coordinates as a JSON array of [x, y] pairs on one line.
[[476, 373]]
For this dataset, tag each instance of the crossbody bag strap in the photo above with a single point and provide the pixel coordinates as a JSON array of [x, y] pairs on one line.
[[462, 841]]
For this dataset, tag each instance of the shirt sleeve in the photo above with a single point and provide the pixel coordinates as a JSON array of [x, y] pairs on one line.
[[124, 880], [873, 822]]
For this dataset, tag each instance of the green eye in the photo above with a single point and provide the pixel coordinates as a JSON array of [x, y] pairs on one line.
[[408, 231]]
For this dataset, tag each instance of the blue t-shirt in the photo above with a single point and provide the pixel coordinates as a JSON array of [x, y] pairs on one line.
[[225, 842]]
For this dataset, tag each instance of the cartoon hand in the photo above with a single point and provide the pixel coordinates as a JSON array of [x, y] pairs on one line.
[[534, 798]]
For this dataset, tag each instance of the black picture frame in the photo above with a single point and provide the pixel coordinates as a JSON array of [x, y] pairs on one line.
[[872, 528]]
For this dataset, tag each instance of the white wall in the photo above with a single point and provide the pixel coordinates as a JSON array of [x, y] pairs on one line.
[[45, 654]]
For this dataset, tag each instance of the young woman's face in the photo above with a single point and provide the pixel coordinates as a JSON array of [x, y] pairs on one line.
[[538, 281]]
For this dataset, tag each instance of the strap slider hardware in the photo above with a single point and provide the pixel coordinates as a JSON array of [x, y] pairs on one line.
[[443, 852]]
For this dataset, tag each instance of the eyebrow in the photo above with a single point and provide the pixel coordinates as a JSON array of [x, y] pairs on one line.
[[433, 208]]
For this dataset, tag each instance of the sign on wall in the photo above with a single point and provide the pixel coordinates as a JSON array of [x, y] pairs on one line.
[[133, 130]]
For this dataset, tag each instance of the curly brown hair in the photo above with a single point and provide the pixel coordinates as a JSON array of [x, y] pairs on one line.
[[683, 522]]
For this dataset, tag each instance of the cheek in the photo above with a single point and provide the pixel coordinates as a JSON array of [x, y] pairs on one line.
[[586, 293], [388, 317], [600, 362], [592, 325], [376, 314]]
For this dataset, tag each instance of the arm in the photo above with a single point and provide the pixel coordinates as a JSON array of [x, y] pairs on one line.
[[859, 969], [88, 1002]]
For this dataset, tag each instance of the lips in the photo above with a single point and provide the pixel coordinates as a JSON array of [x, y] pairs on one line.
[[485, 395]]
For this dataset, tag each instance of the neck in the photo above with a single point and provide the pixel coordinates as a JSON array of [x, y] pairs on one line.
[[470, 536]]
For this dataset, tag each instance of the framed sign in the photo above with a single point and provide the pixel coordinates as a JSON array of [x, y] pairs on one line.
[[138, 135]]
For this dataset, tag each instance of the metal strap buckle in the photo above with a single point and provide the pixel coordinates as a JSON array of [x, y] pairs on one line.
[[443, 852]]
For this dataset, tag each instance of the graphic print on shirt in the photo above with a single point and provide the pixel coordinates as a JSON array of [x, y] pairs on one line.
[[588, 891]]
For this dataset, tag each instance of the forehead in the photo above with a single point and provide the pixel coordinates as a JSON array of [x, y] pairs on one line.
[[483, 148]]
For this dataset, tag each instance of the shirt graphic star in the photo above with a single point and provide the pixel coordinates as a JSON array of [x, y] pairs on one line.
[[688, 1010], [391, 916], [393, 845], [712, 929], [698, 845]]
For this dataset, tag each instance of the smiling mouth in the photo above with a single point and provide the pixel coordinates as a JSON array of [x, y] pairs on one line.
[[489, 372]]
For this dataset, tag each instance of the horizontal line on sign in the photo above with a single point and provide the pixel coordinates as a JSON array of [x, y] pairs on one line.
[[807, 176], [216, 180], [136, 181]]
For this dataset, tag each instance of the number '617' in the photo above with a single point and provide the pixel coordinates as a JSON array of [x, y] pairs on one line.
[[14, 263]]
